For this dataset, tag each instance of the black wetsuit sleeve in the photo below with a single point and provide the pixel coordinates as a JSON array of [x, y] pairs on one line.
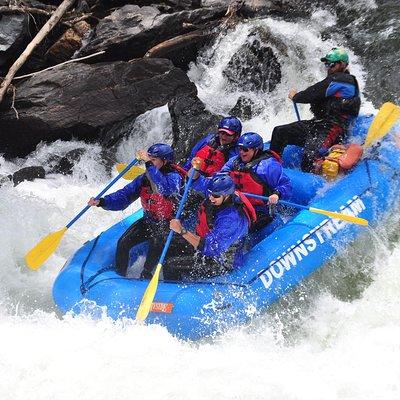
[[313, 94]]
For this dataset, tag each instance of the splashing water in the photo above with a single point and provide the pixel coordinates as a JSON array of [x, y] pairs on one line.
[[335, 337]]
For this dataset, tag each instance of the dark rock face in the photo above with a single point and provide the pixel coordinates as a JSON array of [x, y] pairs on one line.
[[244, 108], [28, 174], [258, 8], [129, 32], [66, 164], [13, 35], [255, 66], [186, 4], [69, 43], [85, 101], [190, 123]]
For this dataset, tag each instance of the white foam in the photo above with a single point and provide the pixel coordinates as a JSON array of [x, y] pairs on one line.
[[340, 350]]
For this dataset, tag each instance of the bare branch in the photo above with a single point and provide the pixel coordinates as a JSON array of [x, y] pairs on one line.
[[58, 65], [13, 103], [47, 27]]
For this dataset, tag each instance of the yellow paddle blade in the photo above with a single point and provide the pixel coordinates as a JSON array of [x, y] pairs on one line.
[[148, 297], [336, 215], [387, 116], [44, 249], [133, 173]]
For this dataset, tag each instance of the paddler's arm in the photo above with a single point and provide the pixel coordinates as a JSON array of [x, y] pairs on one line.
[[200, 182], [120, 199], [228, 166], [167, 184], [316, 92], [197, 147], [177, 227], [271, 172]]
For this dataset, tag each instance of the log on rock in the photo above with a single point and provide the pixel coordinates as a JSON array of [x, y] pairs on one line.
[[86, 100], [129, 32], [46, 28], [183, 49]]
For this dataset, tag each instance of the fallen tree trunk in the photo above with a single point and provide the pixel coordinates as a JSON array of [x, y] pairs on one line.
[[47, 27]]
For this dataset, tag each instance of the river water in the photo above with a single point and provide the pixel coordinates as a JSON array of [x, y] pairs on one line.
[[337, 336]]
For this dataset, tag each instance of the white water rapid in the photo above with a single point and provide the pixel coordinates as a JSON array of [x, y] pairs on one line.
[[335, 337]]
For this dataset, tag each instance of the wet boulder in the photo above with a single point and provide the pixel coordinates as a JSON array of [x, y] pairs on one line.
[[66, 164], [129, 32], [190, 123], [245, 108], [4, 179], [28, 174], [14, 34], [85, 101], [71, 41], [186, 4], [255, 66]]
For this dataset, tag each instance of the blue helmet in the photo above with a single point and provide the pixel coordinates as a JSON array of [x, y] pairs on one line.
[[230, 124], [161, 150], [221, 184], [251, 140]]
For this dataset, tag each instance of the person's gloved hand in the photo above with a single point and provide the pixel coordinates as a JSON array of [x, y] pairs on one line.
[[93, 202]]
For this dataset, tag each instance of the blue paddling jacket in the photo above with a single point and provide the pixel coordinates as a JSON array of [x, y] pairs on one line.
[[227, 227], [263, 176], [158, 190]]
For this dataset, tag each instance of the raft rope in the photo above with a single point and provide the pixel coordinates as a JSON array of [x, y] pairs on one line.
[[84, 285]]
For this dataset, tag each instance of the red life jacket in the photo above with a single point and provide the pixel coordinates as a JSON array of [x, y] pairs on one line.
[[247, 207], [159, 206], [206, 221], [246, 180], [214, 156], [206, 213]]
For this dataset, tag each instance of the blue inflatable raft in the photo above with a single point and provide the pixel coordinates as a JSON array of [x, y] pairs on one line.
[[275, 264]]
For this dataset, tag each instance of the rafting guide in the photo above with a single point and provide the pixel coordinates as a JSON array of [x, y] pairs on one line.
[[334, 101]]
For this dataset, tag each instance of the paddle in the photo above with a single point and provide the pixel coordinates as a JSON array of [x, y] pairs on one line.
[[296, 111], [147, 300], [387, 116], [133, 172], [332, 214], [46, 247]]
